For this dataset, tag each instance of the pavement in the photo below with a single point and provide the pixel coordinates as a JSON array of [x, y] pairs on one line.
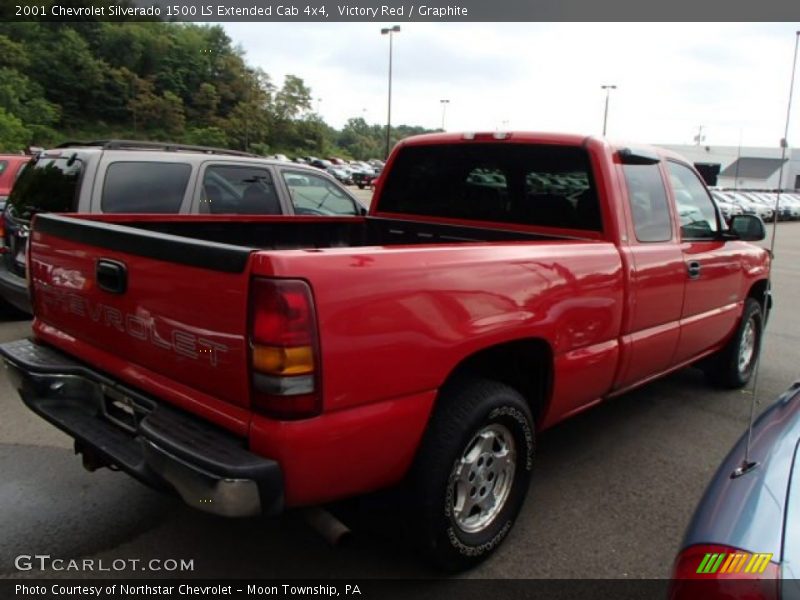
[[612, 490]]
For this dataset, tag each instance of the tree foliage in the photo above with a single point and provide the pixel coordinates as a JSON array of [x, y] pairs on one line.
[[155, 80]]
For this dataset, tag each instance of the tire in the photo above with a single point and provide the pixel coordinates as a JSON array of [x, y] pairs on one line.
[[479, 442], [733, 365]]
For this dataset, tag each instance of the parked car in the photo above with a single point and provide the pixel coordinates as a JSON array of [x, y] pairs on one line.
[[11, 166], [319, 163], [425, 345], [726, 207], [765, 209], [793, 201], [341, 173], [120, 176], [744, 538], [749, 205]]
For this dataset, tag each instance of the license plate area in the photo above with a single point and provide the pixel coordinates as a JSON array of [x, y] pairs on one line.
[[123, 410]]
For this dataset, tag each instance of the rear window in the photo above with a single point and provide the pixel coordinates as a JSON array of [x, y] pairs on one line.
[[48, 184], [144, 187], [530, 184]]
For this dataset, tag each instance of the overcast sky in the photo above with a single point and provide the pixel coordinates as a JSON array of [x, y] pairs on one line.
[[733, 79]]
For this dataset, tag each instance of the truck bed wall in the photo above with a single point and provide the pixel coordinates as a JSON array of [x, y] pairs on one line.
[[329, 233]]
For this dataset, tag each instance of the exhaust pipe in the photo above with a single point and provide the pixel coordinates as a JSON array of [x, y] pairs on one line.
[[329, 527]]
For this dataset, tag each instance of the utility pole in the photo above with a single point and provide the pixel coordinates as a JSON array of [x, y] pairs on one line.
[[390, 31], [608, 89]]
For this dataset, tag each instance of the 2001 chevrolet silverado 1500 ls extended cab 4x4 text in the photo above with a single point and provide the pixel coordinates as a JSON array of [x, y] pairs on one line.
[[499, 284]]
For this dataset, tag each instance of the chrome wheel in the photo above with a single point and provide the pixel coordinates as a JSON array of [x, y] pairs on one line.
[[747, 347], [482, 479]]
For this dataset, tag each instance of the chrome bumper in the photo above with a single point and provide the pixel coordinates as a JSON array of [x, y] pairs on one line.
[[167, 449]]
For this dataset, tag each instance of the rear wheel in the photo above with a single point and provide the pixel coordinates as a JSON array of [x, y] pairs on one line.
[[734, 364], [472, 472]]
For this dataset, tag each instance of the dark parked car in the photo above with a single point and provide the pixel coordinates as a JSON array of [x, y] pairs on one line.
[[320, 163], [747, 525]]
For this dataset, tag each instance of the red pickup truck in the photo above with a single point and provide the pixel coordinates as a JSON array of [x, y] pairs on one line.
[[500, 284]]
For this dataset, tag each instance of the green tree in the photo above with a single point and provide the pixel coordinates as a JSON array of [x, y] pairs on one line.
[[206, 136], [206, 103], [14, 136], [292, 99]]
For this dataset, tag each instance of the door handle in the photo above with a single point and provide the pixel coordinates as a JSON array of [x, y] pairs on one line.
[[693, 268], [112, 276]]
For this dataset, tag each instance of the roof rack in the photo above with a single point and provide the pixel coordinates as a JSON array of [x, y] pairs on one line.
[[165, 146]]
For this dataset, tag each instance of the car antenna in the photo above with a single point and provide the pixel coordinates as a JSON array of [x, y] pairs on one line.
[[747, 464]]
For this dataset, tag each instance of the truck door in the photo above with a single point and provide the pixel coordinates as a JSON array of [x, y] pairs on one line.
[[712, 268], [656, 277]]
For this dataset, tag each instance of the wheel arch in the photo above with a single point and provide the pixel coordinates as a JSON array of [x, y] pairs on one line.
[[524, 364], [758, 292]]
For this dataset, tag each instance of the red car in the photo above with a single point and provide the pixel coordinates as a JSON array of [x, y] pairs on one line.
[[10, 168], [500, 284]]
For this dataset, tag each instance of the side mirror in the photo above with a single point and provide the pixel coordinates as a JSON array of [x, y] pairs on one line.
[[748, 228]]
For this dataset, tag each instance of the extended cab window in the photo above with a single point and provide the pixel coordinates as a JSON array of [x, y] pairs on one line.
[[144, 187], [240, 190], [545, 185], [48, 184], [649, 205], [695, 208], [314, 195]]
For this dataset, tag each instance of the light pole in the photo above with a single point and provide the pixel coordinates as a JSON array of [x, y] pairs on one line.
[[608, 89], [390, 31], [444, 103]]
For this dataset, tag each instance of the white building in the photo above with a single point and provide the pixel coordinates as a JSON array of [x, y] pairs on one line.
[[746, 167]]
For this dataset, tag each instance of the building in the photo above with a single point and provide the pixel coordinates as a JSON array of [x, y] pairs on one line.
[[747, 167]]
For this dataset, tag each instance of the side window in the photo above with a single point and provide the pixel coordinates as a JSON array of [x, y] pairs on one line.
[[695, 208], [3, 166], [144, 187], [649, 205], [239, 189], [314, 195]]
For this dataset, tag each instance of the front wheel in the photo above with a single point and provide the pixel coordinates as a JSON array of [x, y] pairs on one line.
[[472, 472], [734, 364]]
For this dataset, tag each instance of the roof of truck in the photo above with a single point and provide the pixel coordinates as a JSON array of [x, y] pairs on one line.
[[539, 137]]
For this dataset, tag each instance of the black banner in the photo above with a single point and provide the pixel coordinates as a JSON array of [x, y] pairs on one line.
[[363, 589], [400, 10]]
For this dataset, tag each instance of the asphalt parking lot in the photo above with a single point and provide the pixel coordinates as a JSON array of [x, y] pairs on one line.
[[612, 490]]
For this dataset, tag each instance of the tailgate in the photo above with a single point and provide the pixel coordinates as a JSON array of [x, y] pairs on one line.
[[144, 306]]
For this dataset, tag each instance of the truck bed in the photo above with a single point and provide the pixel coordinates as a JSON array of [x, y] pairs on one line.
[[273, 234]]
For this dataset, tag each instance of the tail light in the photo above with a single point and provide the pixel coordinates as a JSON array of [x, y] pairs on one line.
[[284, 349], [3, 247], [712, 571]]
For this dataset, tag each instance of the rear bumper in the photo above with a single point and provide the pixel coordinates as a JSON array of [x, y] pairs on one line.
[[162, 447]]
